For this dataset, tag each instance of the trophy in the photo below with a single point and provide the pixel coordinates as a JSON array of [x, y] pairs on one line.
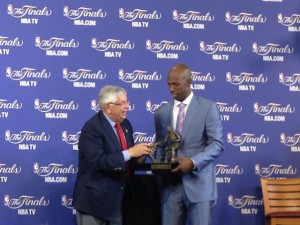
[[169, 146]]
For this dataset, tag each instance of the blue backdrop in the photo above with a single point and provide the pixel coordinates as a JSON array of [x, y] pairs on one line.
[[56, 55]]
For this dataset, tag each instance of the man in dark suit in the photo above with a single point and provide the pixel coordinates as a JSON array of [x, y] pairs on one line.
[[101, 179], [189, 192]]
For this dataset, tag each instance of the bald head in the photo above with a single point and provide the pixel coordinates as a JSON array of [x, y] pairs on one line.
[[179, 81], [183, 70]]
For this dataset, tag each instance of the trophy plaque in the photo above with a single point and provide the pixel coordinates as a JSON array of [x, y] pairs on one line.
[[169, 146]]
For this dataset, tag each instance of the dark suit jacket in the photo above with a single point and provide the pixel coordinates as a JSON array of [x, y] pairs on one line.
[[100, 181]]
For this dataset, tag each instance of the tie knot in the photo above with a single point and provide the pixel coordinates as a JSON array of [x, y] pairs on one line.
[[181, 105], [118, 125]]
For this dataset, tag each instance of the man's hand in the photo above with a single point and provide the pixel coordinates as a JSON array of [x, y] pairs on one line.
[[185, 165], [139, 150]]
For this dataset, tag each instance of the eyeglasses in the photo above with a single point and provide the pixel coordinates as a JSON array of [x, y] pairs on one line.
[[119, 104]]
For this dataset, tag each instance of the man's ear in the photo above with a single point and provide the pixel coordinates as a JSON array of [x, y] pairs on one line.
[[107, 108]]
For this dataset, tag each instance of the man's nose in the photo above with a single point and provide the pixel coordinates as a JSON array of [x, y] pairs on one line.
[[171, 88]]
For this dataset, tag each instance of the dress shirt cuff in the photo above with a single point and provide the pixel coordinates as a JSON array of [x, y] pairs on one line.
[[126, 155], [194, 165]]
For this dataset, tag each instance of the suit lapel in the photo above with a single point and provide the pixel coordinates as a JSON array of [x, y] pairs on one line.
[[111, 133], [191, 114], [169, 119]]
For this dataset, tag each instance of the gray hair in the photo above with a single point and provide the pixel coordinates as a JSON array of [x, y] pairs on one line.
[[109, 93]]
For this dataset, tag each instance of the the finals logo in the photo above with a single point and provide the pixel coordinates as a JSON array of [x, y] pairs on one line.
[[219, 50], [247, 142], [84, 16], [112, 48], [245, 81], [292, 141], [293, 81], [192, 19], [26, 139], [53, 173], [151, 107], [55, 45], [77, 76], [199, 80], [67, 202], [51, 107], [166, 49], [226, 109], [273, 111], [6, 43], [248, 204], [9, 105], [26, 204], [27, 76], [139, 79], [140, 137], [8, 170], [244, 21], [28, 14], [271, 51], [224, 172], [292, 22], [274, 170], [96, 107], [139, 17], [71, 139]]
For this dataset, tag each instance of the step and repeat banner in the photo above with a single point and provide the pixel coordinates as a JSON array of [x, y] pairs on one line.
[[56, 55]]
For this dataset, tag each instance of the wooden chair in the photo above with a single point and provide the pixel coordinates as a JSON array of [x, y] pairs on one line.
[[281, 201]]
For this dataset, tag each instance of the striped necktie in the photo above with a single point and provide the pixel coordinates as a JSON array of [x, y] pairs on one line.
[[180, 117]]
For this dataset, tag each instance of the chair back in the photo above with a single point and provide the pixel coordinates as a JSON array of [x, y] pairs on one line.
[[281, 196]]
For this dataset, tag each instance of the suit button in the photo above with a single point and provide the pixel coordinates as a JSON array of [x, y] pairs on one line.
[[121, 188]]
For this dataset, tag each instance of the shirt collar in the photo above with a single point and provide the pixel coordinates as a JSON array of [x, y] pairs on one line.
[[111, 122], [186, 101]]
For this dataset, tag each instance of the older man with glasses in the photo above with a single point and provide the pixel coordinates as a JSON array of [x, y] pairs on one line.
[[106, 152]]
